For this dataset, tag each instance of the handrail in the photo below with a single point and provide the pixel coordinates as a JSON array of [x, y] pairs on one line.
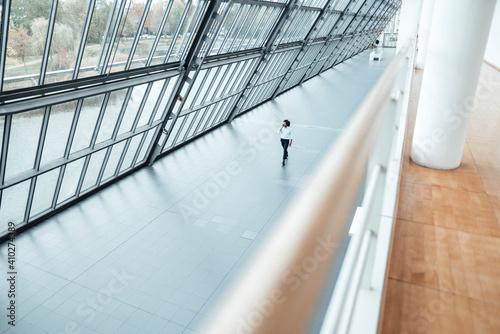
[[279, 290]]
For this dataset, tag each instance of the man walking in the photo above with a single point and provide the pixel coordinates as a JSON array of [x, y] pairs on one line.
[[286, 138]]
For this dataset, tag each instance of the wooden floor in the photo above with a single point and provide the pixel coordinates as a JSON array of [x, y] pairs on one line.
[[444, 274]]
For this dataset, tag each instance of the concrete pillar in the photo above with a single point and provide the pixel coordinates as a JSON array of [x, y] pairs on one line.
[[424, 30], [408, 20], [456, 48]]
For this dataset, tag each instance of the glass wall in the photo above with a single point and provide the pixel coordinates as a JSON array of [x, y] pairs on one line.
[[91, 90]]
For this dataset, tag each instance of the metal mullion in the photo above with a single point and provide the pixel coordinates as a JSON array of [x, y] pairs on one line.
[[104, 165], [29, 201], [201, 121], [229, 108], [160, 30], [264, 13], [184, 119], [191, 125], [260, 93], [209, 119], [199, 18], [231, 75], [241, 27], [267, 87], [236, 73], [48, 41], [268, 67], [85, 33], [230, 30], [4, 39], [275, 86], [122, 157], [272, 19], [158, 101], [303, 23], [72, 130], [139, 149], [113, 37], [270, 46], [138, 34], [279, 60], [297, 24], [177, 31], [123, 109], [41, 138], [205, 95], [256, 11], [198, 92], [141, 106], [246, 78], [5, 147], [106, 33], [187, 30], [292, 27], [58, 186], [275, 19], [82, 175], [206, 119], [218, 108], [215, 112], [98, 124], [218, 87], [252, 97]]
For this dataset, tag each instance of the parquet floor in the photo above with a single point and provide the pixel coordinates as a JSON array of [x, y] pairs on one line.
[[444, 274]]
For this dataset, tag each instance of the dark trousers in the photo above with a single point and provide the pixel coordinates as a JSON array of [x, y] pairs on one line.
[[284, 143]]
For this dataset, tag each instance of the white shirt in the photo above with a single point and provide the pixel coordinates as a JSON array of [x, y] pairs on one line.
[[286, 133]]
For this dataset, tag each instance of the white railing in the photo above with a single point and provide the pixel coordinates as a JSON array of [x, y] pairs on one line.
[[279, 290]]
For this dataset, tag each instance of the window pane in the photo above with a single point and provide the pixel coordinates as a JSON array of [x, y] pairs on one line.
[[114, 157], [13, 203], [23, 142], [132, 150], [134, 102], [145, 147], [111, 115], [167, 96], [44, 191], [90, 60], [26, 43], [93, 170], [70, 180], [68, 30], [128, 30], [154, 95], [149, 33], [61, 117], [86, 122]]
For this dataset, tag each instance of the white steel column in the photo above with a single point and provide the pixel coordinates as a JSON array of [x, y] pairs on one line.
[[456, 48], [408, 20], [424, 30]]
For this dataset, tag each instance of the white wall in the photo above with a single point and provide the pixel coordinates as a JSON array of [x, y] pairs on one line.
[[492, 53]]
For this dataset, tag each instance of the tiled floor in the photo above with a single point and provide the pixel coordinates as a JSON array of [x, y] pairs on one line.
[[153, 252], [445, 263]]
